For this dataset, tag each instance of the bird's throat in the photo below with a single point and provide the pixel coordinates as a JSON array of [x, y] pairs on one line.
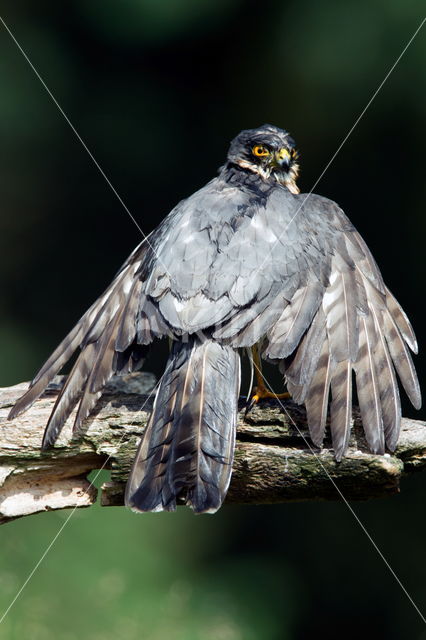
[[286, 179]]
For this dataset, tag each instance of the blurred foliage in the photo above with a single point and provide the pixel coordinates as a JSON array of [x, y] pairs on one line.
[[157, 90]]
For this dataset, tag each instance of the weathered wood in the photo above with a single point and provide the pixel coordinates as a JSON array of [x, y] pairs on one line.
[[274, 462]]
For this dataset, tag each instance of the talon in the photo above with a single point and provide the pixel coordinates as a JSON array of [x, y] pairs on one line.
[[260, 392], [263, 394], [254, 400]]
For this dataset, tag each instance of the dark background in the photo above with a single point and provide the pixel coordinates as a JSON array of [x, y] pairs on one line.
[[157, 90]]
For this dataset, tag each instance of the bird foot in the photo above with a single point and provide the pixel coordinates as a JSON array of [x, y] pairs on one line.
[[262, 393]]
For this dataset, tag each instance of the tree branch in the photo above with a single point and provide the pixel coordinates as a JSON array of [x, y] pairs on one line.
[[273, 461]]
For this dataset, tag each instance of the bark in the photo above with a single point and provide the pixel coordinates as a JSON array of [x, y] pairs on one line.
[[275, 460]]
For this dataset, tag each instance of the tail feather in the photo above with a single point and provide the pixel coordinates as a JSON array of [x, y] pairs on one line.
[[188, 447]]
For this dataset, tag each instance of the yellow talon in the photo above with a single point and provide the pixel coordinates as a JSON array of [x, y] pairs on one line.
[[260, 392]]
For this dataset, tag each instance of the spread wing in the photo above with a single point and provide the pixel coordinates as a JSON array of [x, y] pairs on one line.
[[328, 314], [111, 336], [159, 291], [246, 264]]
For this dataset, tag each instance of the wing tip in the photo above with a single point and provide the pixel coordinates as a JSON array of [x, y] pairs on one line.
[[416, 401], [52, 431], [15, 411], [48, 441], [317, 439], [413, 346], [376, 443], [391, 444], [338, 455], [21, 405], [341, 449]]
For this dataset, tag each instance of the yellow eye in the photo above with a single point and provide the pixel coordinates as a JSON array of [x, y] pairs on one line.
[[260, 151]]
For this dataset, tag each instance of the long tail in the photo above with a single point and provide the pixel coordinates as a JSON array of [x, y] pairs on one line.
[[188, 447]]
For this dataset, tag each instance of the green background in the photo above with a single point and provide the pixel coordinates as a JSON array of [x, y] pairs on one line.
[[157, 89]]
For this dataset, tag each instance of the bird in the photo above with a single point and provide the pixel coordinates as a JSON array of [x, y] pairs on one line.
[[247, 262]]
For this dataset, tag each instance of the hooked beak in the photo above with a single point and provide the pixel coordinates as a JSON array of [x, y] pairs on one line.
[[282, 158]]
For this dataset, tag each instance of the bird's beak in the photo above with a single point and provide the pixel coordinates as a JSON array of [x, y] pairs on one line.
[[282, 158]]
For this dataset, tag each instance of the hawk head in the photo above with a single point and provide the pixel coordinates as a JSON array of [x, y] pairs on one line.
[[268, 151]]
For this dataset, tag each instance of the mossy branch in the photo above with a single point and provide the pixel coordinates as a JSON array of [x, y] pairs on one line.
[[274, 461]]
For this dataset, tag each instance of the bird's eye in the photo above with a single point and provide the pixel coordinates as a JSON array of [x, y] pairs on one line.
[[260, 151]]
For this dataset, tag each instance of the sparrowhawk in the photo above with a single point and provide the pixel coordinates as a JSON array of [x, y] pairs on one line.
[[244, 261]]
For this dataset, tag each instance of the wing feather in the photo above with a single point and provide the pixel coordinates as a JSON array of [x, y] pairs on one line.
[[127, 328], [286, 333], [69, 394], [299, 373], [402, 360], [401, 321], [368, 386], [107, 336], [102, 371], [54, 364], [340, 304], [388, 386], [317, 396], [341, 407]]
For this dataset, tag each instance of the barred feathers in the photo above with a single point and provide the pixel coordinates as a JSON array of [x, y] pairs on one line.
[[188, 446], [357, 327], [106, 336]]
